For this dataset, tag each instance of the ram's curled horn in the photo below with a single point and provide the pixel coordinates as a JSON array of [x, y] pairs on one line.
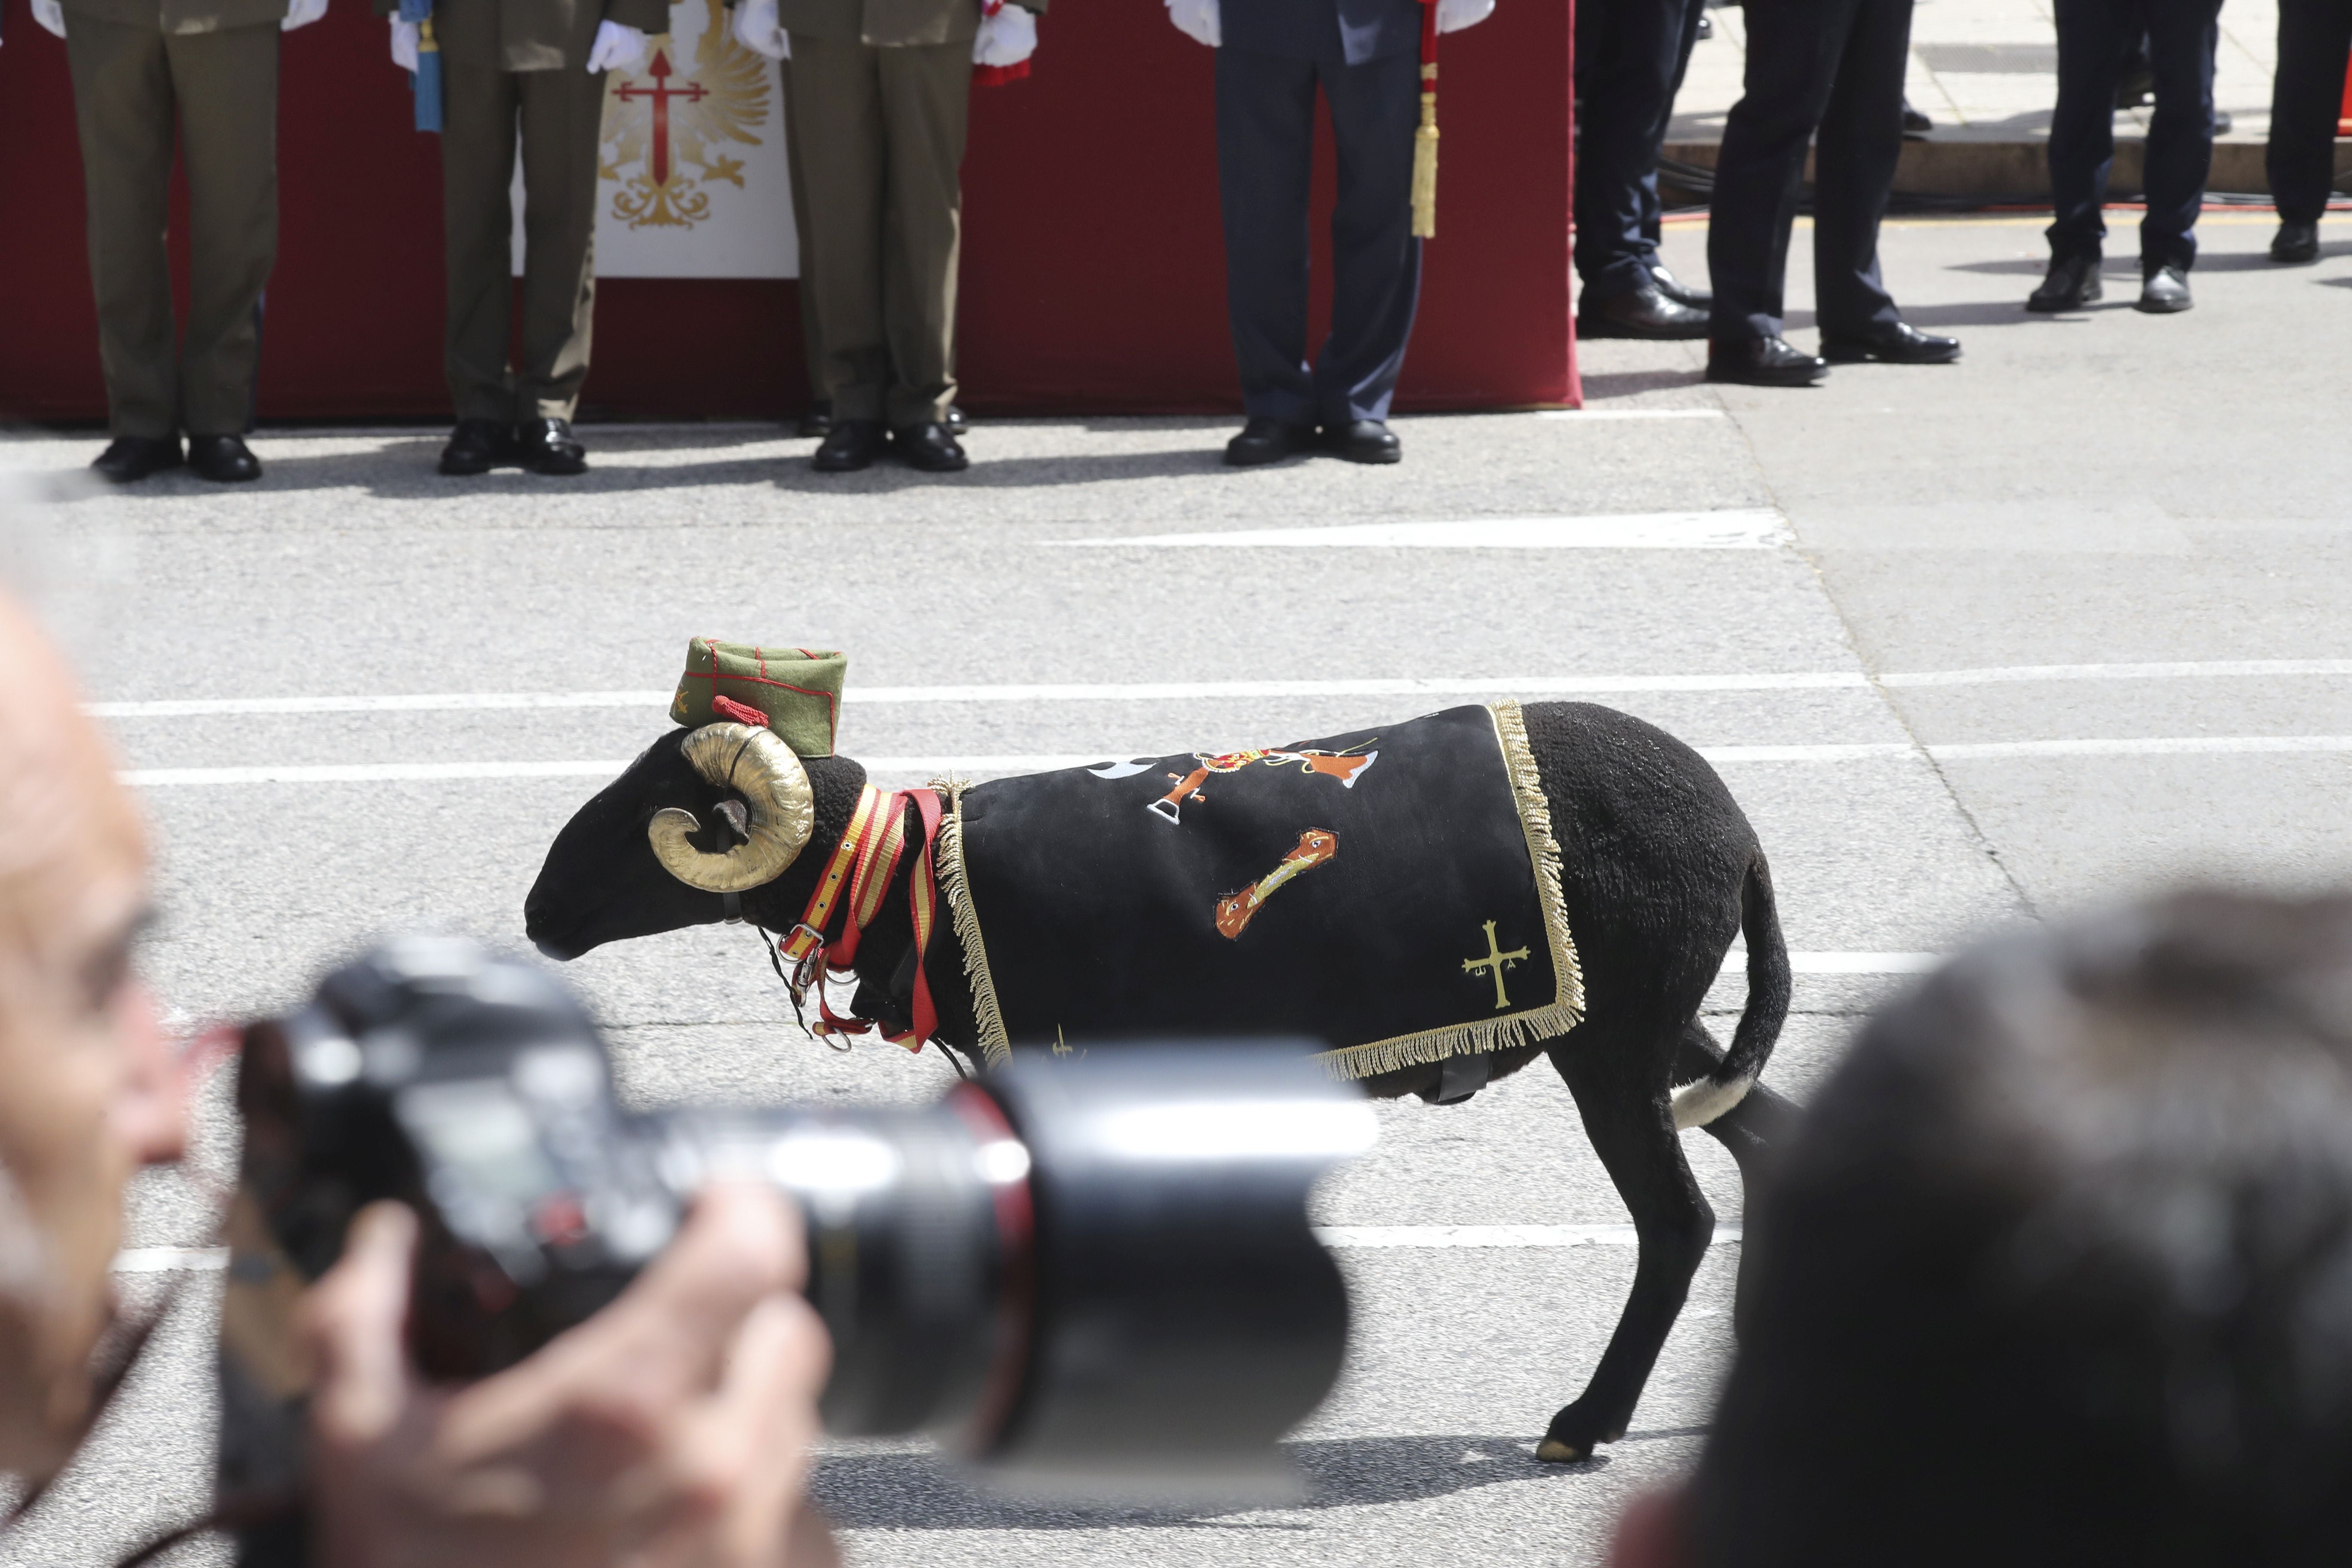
[[780, 805]]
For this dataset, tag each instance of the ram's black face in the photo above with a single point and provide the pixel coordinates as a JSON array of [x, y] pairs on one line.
[[601, 882]]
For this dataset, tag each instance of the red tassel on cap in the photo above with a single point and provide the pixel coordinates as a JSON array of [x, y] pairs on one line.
[[741, 712]]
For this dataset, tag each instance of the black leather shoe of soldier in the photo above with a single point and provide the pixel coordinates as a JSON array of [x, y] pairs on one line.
[[2296, 243], [1762, 362], [130, 459], [956, 423], [1645, 313], [478, 446], [817, 423], [854, 445], [1267, 440], [1363, 441], [1680, 292], [930, 448], [548, 447], [2073, 282], [1901, 343], [2165, 292], [224, 460]]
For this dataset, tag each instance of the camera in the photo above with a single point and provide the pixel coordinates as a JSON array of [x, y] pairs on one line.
[[1084, 1274]]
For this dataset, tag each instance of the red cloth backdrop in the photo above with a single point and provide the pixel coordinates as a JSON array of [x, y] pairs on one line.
[[1093, 267]]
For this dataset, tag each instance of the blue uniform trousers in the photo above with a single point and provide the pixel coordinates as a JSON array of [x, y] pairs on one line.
[[2091, 37], [1265, 136], [1630, 60], [1834, 67]]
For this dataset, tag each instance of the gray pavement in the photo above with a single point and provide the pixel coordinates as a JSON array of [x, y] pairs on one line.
[[2085, 493]]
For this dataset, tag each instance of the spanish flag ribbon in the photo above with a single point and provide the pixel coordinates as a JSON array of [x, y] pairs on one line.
[[1424, 140]]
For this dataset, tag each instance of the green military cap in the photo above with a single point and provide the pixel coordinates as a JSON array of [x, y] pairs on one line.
[[796, 690]]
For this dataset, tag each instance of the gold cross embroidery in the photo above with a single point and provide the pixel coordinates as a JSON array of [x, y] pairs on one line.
[[1495, 959]]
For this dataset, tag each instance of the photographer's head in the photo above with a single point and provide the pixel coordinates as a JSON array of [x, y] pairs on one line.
[[2061, 1268], [89, 1091]]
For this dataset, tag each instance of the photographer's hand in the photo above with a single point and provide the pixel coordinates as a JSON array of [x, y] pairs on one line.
[[671, 1429]]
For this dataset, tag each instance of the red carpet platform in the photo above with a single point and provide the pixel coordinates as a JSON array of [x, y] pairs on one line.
[[1093, 267]]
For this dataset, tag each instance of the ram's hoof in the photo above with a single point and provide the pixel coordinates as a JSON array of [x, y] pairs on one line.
[[1552, 1451]]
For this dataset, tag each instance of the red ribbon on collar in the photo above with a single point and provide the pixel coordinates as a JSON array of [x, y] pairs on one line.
[[853, 881]]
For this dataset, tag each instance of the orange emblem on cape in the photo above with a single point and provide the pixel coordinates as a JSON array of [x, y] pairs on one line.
[[1236, 911], [1345, 767]]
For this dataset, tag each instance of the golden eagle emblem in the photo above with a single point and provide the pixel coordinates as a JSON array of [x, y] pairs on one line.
[[669, 123]]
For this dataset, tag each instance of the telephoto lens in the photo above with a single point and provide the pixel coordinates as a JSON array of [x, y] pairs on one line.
[[1090, 1275]]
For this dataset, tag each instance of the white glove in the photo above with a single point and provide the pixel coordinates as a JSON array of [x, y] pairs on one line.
[[50, 14], [616, 48], [757, 29], [1452, 16], [1005, 38], [1197, 20], [301, 14], [404, 38]]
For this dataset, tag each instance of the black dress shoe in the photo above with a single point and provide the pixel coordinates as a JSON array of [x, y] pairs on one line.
[[956, 423], [817, 423], [1267, 440], [1363, 441], [854, 444], [224, 460], [930, 447], [2166, 291], [2073, 282], [1901, 343], [130, 459], [1915, 125], [2296, 243], [1762, 362], [548, 447], [478, 446], [1645, 313], [1680, 292]]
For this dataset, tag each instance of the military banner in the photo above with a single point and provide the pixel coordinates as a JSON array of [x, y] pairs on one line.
[[693, 176]]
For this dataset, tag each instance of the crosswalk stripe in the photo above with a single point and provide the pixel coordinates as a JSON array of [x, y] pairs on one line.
[[1226, 691], [1740, 528]]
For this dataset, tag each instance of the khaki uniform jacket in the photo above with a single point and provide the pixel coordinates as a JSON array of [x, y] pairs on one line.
[[181, 16], [526, 35], [888, 24]]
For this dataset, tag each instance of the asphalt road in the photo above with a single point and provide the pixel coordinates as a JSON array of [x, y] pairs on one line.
[[2062, 622]]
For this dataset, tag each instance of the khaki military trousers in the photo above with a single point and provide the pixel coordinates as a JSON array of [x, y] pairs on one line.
[[559, 116], [134, 86], [881, 139]]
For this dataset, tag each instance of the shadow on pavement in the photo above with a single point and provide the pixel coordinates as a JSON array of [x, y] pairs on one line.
[[925, 1491], [1600, 387]]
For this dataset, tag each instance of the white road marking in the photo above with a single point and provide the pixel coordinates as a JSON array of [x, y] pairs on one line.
[[1735, 962], [1370, 1235], [1587, 416], [1225, 690], [167, 1259], [929, 767], [2157, 746], [1745, 529]]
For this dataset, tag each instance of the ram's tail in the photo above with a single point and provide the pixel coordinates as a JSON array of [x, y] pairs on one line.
[[1701, 1102]]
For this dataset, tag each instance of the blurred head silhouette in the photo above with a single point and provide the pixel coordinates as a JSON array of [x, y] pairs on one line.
[[89, 1090], [2060, 1268]]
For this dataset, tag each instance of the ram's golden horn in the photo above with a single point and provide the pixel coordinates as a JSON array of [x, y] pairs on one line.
[[776, 795]]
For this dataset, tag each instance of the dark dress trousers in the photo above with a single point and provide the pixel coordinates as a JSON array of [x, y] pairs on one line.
[[1365, 56], [2314, 38], [1630, 60], [2182, 37], [1834, 67], [198, 79]]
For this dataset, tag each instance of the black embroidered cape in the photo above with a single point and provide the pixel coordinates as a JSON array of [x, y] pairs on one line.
[[1393, 892]]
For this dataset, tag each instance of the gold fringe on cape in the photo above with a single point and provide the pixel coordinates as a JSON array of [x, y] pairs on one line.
[[1566, 1008], [1529, 1027], [995, 1045]]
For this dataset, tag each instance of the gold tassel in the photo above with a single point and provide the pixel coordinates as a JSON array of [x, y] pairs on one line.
[[1424, 159]]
